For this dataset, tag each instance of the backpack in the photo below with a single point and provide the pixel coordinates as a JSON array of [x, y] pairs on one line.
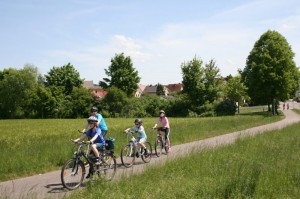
[[109, 143]]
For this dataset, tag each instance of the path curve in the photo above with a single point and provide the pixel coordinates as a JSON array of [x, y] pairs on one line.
[[48, 185]]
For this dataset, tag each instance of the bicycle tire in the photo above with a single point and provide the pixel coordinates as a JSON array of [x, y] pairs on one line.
[[109, 167], [72, 174], [128, 155], [166, 147], [158, 146], [147, 158]]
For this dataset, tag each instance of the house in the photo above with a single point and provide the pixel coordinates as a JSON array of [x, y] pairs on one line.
[[152, 90], [96, 90], [139, 90], [174, 87]]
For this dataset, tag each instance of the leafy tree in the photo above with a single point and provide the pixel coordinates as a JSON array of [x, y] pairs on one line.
[[160, 89], [16, 90], [82, 101], [235, 90], [114, 101], [122, 75], [193, 80], [65, 76], [45, 102], [270, 71], [212, 81]]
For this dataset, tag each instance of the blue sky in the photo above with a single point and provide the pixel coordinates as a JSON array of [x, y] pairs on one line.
[[158, 35]]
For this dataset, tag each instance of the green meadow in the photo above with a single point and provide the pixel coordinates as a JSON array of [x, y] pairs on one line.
[[31, 147], [264, 166]]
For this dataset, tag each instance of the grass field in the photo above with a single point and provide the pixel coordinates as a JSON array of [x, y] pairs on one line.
[[264, 166], [36, 146]]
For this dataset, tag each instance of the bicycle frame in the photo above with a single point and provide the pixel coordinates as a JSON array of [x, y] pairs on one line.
[[74, 169], [160, 138], [133, 149]]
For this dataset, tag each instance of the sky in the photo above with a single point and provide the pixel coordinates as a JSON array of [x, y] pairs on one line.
[[158, 35]]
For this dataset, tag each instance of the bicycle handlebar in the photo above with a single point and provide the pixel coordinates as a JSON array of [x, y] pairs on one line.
[[79, 143]]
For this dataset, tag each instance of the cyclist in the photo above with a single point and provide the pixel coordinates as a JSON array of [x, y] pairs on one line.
[[100, 121], [142, 137], [97, 141], [165, 126]]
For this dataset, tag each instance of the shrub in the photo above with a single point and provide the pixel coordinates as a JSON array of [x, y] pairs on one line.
[[226, 107]]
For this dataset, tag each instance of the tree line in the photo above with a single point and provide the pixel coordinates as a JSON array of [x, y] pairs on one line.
[[270, 75]]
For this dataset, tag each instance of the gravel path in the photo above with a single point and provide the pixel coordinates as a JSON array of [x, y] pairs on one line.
[[48, 185]]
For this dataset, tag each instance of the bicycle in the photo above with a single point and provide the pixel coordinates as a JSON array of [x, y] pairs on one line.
[[132, 150], [73, 171], [160, 143]]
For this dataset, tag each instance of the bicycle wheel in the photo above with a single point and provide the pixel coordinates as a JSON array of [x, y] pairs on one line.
[[72, 174], [127, 155], [166, 146], [147, 157], [158, 146], [109, 167]]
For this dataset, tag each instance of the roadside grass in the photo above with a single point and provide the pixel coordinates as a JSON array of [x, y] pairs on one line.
[[296, 111], [263, 166], [31, 147]]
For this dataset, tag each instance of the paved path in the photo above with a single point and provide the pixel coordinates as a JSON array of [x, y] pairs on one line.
[[48, 185]]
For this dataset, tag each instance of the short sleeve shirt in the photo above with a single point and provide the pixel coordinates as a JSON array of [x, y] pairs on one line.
[[99, 139], [164, 122], [141, 133], [102, 124]]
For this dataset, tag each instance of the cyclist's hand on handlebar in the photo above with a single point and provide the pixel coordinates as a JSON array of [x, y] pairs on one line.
[[89, 142]]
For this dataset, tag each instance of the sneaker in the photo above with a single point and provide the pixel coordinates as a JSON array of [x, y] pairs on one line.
[[97, 162], [145, 151]]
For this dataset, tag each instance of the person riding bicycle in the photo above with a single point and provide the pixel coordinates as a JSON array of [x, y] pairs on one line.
[[142, 137], [100, 121], [97, 140], [165, 126]]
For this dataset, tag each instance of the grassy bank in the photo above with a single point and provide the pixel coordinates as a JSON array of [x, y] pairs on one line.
[[37, 146], [265, 166]]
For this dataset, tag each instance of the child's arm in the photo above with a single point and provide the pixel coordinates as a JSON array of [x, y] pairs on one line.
[[85, 127], [93, 139], [155, 125], [126, 130], [81, 138]]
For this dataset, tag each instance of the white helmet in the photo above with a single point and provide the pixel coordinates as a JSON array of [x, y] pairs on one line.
[[92, 119]]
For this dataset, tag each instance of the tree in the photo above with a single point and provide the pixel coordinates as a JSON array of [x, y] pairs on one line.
[[160, 89], [114, 101], [193, 80], [270, 71], [235, 90], [65, 76], [212, 81], [16, 90], [122, 75]]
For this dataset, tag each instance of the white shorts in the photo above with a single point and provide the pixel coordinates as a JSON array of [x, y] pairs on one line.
[[141, 140]]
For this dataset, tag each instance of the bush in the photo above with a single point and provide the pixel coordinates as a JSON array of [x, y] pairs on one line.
[[226, 107]]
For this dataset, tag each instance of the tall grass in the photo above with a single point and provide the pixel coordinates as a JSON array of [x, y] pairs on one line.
[[265, 166], [36, 146]]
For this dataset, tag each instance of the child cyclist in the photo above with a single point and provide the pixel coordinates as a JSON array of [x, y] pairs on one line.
[[142, 137], [165, 126], [100, 121], [97, 141]]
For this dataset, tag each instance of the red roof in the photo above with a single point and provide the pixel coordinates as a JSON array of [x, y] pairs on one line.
[[175, 87]]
